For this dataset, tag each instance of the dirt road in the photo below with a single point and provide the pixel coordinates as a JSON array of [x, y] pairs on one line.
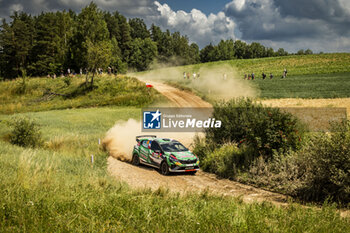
[[144, 177], [177, 97]]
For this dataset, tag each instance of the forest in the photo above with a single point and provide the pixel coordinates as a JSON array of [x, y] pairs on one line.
[[66, 41]]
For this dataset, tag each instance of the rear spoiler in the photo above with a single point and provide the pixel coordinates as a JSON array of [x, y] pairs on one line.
[[144, 136]]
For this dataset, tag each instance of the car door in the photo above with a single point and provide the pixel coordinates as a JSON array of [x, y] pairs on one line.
[[155, 154], [144, 151]]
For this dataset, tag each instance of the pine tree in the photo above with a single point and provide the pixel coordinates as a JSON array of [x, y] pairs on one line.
[[47, 50], [17, 40], [138, 29], [91, 29]]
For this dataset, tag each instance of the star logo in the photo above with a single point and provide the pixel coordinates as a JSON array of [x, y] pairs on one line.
[[152, 119], [156, 115]]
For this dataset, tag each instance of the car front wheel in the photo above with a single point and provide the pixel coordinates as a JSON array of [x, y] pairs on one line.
[[164, 168], [135, 160]]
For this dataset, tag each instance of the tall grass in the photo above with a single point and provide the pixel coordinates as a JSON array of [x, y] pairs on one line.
[[56, 188], [45, 191]]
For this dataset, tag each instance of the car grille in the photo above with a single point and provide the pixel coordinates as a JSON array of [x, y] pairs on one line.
[[188, 161]]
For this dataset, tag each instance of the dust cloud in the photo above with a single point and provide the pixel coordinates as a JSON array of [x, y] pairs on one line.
[[217, 81], [121, 138]]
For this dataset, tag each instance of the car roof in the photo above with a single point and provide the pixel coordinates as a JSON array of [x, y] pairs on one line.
[[164, 140], [146, 139], [160, 140]]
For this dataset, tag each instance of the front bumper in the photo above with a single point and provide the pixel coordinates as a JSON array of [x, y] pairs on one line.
[[175, 168]]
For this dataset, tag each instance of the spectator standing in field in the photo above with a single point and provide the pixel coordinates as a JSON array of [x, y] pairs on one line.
[[198, 75], [81, 71], [188, 75], [68, 72], [184, 75], [253, 76], [245, 76], [271, 76], [109, 70], [225, 76], [194, 75], [263, 75], [284, 73], [249, 77]]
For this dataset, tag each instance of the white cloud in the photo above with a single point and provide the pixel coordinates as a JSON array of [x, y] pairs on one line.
[[293, 25], [16, 7], [239, 4], [345, 4], [199, 27]]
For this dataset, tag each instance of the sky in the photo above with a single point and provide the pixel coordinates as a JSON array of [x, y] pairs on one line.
[[320, 25]]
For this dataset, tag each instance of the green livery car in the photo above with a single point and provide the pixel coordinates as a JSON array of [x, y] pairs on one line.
[[165, 154]]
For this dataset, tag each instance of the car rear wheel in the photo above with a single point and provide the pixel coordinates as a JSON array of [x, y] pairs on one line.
[[164, 168], [135, 160]]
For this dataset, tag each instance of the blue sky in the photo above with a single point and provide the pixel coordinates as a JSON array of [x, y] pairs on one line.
[[321, 25], [206, 6]]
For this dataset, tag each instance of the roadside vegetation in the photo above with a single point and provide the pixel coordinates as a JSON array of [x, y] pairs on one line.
[[269, 148], [55, 187], [42, 94]]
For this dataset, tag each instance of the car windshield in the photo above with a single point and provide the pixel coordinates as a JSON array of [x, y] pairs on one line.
[[173, 146]]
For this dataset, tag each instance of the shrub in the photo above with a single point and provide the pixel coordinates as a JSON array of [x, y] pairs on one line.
[[67, 80], [318, 172], [25, 133], [227, 160], [263, 128], [327, 166], [285, 173]]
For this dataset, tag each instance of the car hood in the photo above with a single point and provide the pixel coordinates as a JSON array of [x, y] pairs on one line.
[[184, 155]]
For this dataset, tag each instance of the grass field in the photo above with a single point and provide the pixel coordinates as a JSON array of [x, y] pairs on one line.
[[296, 65], [305, 86], [56, 188], [107, 91], [309, 76]]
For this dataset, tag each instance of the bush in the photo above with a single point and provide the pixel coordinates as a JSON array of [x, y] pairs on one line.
[[67, 80], [327, 167], [227, 160], [25, 133], [285, 173], [318, 172], [263, 128]]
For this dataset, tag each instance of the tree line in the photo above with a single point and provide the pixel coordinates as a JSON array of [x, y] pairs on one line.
[[53, 42]]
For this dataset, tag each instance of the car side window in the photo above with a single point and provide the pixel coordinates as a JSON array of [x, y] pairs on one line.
[[144, 144], [155, 146]]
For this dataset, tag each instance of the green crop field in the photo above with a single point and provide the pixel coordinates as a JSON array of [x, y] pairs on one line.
[[305, 86], [309, 76], [296, 65], [55, 188]]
